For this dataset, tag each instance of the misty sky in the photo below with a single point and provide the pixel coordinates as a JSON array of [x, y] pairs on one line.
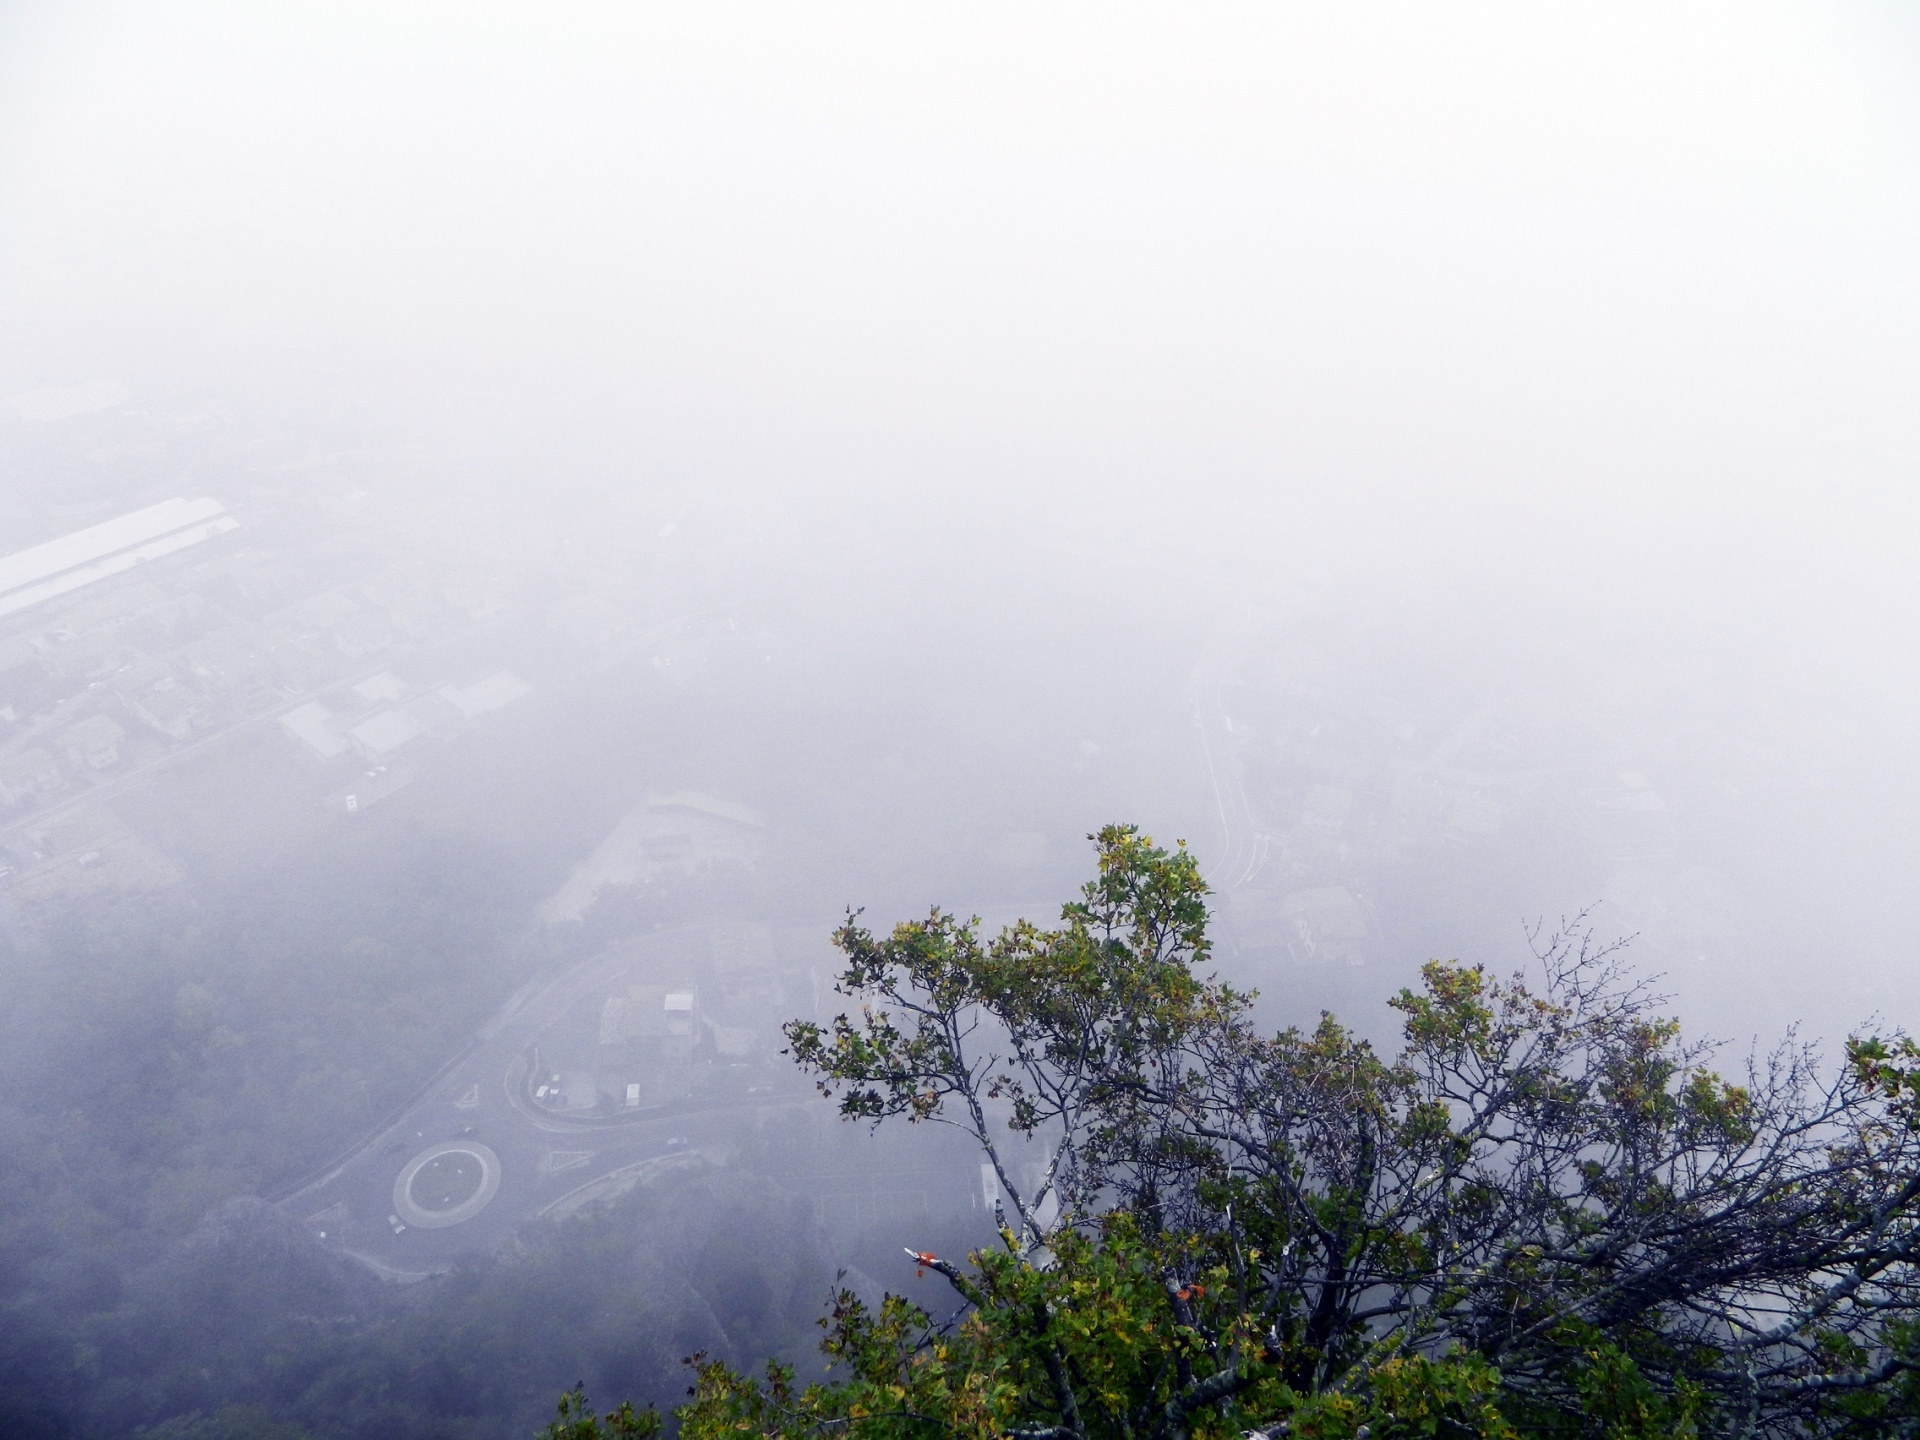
[[1622, 304], [1589, 337]]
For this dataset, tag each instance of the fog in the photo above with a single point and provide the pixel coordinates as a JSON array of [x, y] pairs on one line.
[[679, 473]]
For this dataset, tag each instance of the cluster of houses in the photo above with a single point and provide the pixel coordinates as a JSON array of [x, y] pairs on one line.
[[652, 1036], [383, 714], [655, 1037], [152, 630], [38, 774]]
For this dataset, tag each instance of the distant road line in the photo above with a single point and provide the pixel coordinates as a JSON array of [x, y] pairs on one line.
[[342, 1159], [107, 790], [532, 1004], [1241, 857]]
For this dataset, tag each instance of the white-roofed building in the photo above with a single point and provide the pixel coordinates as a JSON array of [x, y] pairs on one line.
[[384, 686], [171, 708], [59, 567], [379, 735], [317, 728], [496, 692], [647, 1041], [433, 711]]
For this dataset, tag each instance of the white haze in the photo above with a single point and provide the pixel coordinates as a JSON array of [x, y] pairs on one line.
[[1574, 346]]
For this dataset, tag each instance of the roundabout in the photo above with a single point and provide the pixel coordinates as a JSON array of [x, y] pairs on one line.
[[446, 1184]]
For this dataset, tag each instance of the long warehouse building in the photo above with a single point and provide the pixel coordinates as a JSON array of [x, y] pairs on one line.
[[30, 577]]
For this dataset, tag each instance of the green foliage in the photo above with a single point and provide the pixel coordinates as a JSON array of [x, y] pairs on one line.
[[1086, 1346], [576, 1421], [1084, 1017], [1546, 1215]]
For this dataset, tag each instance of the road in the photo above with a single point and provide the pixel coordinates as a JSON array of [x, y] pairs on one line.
[[96, 789], [1243, 848], [105, 787], [477, 1133]]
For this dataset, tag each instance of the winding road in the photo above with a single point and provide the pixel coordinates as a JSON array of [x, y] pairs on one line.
[[474, 1156], [1243, 848]]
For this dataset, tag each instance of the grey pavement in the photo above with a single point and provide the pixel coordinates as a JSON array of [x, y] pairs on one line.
[[547, 1161]]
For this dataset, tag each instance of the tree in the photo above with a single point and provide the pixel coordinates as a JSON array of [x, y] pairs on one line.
[[1546, 1215]]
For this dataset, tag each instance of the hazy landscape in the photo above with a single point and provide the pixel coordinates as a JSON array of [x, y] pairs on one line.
[[513, 522]]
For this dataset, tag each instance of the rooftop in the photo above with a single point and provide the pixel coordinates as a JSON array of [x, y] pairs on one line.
[[496, 692], [316, 727], [57, 567], [387, 731]]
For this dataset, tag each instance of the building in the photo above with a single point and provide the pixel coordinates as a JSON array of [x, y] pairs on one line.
[[668, 836], [496, 692], [93, 744], [92, 655], [745, 971], [384, 732], [234, 664], [386, 686], [361, 633], [170, 707], [30, 775], [316, 727], [646, 1045], [433, 711], [42, 572]]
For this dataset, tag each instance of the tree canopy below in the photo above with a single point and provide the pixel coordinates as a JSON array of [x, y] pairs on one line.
[[1548, 1214]]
